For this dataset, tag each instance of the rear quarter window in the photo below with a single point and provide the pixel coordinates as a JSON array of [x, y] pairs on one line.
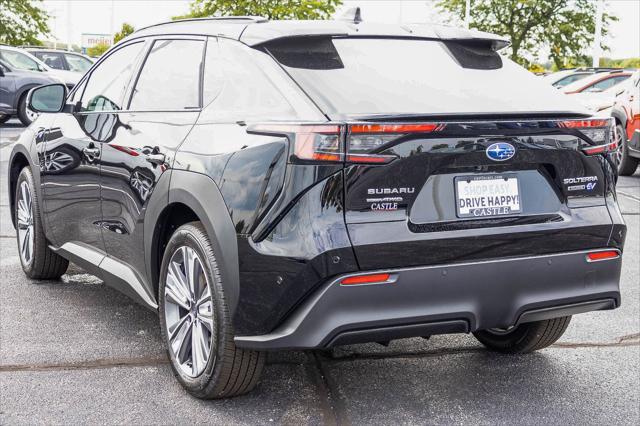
[[243, 84]]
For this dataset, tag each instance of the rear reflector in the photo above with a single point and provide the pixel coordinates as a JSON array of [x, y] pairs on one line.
[[602, 255], [366, 279]]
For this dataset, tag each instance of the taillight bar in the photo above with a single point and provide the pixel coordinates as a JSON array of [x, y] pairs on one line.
[[396, 128], [581, 124]]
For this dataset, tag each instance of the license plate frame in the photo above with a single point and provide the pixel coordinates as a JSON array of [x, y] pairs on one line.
[[488, 211]]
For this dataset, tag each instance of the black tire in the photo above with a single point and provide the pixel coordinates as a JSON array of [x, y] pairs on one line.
[[627, 165], [44, 264], [524, 338], [22, 111], [232, 371]]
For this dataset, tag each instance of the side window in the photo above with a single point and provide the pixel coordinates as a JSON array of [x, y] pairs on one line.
[[19, 60], [77, 63], [54, 60], [247, 91], [170, 77], [605, 84], [108, 82]]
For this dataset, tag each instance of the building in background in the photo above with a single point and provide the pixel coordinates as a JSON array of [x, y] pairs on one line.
[[93, 40]]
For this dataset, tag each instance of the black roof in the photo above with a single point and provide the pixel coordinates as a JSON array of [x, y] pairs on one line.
[[254, 31]]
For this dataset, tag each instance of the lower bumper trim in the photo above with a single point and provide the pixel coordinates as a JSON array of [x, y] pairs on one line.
[[454, 298]]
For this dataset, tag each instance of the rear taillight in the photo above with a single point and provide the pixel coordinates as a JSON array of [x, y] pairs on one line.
[[359, 143], [314, 142], [599, 132], [365, 140]]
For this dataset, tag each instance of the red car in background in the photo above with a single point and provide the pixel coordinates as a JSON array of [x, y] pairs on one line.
[[597, 82], [626, 112]]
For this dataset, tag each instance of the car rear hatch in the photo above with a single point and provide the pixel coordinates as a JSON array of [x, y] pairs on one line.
[[452, 152], [446, 192]]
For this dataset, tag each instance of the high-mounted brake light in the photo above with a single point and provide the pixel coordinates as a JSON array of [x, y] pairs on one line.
[[602, 255], [366, 279]]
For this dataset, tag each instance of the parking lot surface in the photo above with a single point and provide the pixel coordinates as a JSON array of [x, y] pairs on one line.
[[75, 351]]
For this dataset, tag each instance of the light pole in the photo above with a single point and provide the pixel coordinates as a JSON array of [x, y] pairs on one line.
[[69, 25], [467, 14], [597, 51]]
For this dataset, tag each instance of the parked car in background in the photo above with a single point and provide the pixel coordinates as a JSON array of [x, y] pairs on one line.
[[20, 59], [560, 79], [597, 82], [598, 91], [14, 87], [62, 59], [626, 112]]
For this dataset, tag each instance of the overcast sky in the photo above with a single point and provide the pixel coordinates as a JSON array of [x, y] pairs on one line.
[[104, 16]]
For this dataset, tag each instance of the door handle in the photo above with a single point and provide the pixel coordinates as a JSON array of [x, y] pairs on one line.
[[157, 159], [91, 152]]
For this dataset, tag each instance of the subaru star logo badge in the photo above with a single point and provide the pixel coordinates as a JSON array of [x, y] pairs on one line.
[[501, 151]]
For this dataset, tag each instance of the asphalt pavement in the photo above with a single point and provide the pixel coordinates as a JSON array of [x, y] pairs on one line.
[[77, 352]]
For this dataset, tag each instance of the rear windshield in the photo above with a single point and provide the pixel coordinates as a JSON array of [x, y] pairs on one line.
[[361, 76]]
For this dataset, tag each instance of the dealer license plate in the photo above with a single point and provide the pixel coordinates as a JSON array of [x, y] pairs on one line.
[[486, 196]]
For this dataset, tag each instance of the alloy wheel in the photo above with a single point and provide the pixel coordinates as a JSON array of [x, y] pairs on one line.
[[618, 154], [25, 224], [188, 308]]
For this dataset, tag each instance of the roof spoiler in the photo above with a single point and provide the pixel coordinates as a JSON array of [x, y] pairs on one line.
[[456, 34]]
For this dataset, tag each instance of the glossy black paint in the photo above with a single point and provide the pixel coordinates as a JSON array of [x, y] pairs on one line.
[[129, 176], [282, 229]]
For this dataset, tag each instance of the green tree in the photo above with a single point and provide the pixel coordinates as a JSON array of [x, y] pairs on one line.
[[97, 50], [272, 9], [124, 31], [563, 28], [21, 22]]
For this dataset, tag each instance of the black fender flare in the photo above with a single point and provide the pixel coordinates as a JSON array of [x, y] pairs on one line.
[[201, 194], [32, 160]]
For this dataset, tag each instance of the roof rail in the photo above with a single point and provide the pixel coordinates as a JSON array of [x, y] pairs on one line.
[[254, 19], [596, 69]]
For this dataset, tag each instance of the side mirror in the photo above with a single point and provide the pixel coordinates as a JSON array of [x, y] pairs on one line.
[[49, 98]]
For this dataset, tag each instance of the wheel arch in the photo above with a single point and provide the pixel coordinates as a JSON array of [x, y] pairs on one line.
[[19, 160], [620, 117], [195, 197], [22, 93]]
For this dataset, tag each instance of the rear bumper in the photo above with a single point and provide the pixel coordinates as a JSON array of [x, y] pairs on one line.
[[457, 298]]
